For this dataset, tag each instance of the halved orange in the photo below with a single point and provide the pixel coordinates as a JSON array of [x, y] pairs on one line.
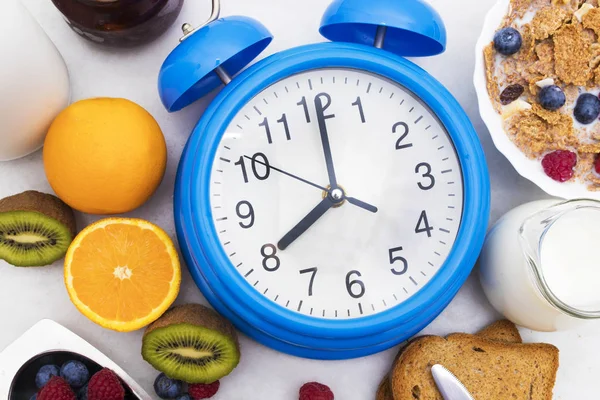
[[122, 273]]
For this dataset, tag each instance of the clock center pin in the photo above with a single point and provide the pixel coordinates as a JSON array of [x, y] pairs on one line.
[[337, 195]]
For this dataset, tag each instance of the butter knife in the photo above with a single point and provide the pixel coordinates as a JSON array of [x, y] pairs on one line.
[[449, 385]]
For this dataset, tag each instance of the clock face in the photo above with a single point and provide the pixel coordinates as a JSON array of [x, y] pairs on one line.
[[336, 193]]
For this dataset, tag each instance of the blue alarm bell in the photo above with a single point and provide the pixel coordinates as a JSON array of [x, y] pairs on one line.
[[334, 197], [410, 28], [208, 56]]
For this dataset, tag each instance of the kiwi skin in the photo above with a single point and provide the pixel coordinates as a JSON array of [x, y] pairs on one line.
[[46, 204], [195, 315]]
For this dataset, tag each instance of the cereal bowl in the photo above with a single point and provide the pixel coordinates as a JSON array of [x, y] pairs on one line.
[[528, 168]]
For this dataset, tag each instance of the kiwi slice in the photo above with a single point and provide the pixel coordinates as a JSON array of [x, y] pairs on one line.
[[36, 229], [192, 343]]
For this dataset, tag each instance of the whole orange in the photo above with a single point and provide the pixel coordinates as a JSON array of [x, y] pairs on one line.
[[104, 155]]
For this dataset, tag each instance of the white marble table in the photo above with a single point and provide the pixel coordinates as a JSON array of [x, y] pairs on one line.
[[28, 295]]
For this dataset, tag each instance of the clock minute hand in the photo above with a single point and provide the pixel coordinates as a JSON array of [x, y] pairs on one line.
[[305, 223], [321, 118]]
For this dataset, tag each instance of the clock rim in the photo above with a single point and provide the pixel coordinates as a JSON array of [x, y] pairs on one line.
[[237, 299]]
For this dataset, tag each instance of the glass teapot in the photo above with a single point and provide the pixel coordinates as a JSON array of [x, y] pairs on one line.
[[120, 22], [539, 265]]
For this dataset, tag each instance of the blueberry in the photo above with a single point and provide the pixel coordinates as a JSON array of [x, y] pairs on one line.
[[75, 373], [167, 388], [82, 394], [552, 97], [508, 41], [185, 396], [587, 108], [44, 375]]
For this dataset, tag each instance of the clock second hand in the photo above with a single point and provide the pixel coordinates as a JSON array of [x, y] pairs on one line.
[[351, 200]]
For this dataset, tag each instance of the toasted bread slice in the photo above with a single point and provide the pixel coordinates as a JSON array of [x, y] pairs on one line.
[[502, 331], [489, 369]]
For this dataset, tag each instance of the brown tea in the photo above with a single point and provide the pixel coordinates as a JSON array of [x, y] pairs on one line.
[[120, 22]]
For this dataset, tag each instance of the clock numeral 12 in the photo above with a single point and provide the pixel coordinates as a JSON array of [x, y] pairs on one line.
[[282, 120], [393, 259], [305, 106], [272, 256], [358, 103], [255, 160], [313, 271], [351, 285]]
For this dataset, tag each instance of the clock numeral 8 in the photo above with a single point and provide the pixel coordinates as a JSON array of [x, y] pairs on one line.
[[249, 214], [351, 285], [393, 259], [267, 257], [264, 162], [425, 185]]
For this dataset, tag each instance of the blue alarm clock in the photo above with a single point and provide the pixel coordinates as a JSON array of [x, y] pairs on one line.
[[333, 197]]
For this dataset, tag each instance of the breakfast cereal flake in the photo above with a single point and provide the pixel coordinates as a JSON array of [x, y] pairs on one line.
[[591, 20], [572, 54], [548, 20]]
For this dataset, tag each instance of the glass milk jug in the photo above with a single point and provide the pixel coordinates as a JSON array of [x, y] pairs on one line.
[[540, 266]]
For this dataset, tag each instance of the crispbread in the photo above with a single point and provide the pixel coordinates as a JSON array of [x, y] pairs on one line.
[[502, 331], [489, 369]]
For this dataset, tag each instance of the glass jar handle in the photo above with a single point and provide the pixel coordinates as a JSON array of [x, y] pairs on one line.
[[188, 29]]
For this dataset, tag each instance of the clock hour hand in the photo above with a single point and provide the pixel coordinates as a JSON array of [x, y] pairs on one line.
[[305, 223], [321, 118], [362, 204]]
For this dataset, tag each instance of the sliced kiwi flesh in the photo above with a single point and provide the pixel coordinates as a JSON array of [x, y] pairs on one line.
[[36, 229], [192, 343]]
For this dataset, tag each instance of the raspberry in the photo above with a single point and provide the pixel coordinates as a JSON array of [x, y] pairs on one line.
[[105, 385], [315, 391], [597, 164], [201, 391], [559, 165], [56, 389]]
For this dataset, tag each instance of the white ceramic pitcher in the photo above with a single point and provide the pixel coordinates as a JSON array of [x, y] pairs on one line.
[[34, 82]]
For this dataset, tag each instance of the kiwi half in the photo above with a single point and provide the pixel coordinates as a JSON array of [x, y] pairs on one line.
[[36, 229], [192, 343]]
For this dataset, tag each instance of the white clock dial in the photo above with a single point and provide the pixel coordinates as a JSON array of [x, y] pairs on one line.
[[388, 150]]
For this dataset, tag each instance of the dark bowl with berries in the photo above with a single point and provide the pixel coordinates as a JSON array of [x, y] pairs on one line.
[[70, 374], [49, 362]]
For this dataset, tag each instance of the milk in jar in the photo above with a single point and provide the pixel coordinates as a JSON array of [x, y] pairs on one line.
[[540, 267]]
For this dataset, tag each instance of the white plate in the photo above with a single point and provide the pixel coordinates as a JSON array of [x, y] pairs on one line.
[[47, 336], [528, 168]]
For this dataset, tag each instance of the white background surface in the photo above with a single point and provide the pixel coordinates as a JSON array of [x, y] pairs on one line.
[[28, 295]]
